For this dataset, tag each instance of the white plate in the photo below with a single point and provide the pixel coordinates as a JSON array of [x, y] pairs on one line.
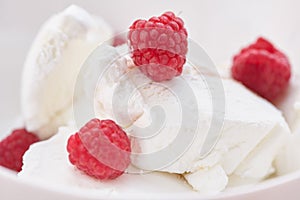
[[221, 27]]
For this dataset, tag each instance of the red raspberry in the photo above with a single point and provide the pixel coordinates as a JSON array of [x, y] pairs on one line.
[[159, 46], [263, 69], [101, 149], [13, 147], [118, 40]]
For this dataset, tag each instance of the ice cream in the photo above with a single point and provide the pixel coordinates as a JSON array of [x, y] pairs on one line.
[[253, 130], [289, 104], [52, 65], [69, 78], [288, 160], [61, 173]]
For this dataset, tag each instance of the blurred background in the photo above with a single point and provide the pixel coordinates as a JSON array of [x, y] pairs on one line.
[[220, 27]]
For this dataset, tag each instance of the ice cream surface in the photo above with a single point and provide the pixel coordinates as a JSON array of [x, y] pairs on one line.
[[52, 65], [253, 131], [60, 173], [288, 160], [70, 77], [290, 103]]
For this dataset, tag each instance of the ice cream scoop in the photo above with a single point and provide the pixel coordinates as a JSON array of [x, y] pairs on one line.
[[60, 172], [152, 113], [288, 160], [253, 133], [289, 104], [52, 65]]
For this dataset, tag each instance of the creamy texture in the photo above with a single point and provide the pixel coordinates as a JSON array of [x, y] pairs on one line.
[[289, 104], [249, 142], [253, 131], [168, 122], [47, 162], [52, 65], [101, 75], [289, 158], [208, 181]]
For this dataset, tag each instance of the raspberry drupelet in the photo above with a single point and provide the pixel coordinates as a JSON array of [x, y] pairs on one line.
[[14, 146], [101, 149], [263, 69], [159, 46]]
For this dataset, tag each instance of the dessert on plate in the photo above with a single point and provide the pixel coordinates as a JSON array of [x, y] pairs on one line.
[[137, 116]]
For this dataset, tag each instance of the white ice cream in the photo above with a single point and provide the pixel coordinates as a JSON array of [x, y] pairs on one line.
[[47, 162], [252, 135], [289, 104], [289, 158], [253, 130], [51, 67]]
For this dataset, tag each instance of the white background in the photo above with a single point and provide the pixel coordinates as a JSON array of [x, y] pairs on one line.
[[221, 27]]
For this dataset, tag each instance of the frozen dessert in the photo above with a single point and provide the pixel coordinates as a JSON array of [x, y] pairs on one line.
[[62, 174], [249, 140], [160, 110], [288, 160], [52, 64], [290, 104]]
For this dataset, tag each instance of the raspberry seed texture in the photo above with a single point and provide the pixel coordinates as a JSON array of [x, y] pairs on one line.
[[101, 149], [159, 46], [263, 69], [13, 147]]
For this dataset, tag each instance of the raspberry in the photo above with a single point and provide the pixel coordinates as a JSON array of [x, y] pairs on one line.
[[100, 149], [118, 40], [13, 147], [159, 46], [263, 69]]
